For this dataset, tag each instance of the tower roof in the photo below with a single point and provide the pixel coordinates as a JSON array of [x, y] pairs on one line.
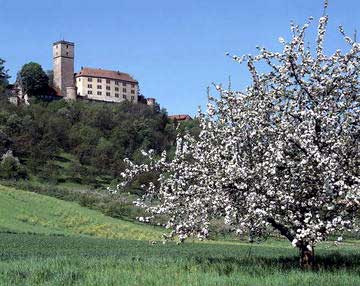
[[64, 42], [107, 74], [180, 117]]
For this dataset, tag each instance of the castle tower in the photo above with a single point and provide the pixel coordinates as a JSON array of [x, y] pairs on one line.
[[63, 57]]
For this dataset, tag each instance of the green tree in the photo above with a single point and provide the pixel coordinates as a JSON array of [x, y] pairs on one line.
[[10, 167], [33, 79], [3, 77], [96, 136], [103, 154], [50, 75]]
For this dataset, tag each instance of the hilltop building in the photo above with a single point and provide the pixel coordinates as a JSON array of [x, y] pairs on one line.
[[105, 85], [180, 117], [91, 83], [63, 67]]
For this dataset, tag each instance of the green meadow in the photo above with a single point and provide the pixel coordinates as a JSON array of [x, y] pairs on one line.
[[22, 211], [45, 241]]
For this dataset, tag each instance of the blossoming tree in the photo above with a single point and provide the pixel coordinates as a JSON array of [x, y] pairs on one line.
[[284, 154]]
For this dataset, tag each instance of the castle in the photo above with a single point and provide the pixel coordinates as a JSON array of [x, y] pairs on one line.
[[91, 83]]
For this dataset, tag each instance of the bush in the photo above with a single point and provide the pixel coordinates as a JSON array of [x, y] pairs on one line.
[[10, 167], [87, 200]]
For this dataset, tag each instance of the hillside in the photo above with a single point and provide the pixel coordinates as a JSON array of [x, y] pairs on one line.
[[22, 211], [89, 140]]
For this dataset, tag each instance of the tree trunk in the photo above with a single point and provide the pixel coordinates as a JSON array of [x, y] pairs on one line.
[[307, 254], [307, 257]]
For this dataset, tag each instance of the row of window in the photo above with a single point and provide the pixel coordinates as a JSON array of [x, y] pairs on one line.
[[108, 88], [109, 94], [108, 81]]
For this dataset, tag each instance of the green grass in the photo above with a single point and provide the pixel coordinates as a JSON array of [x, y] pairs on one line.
[[22, 211], [46, 241], [52, 260]]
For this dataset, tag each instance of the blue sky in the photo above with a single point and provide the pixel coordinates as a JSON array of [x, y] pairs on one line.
[[175, 49]]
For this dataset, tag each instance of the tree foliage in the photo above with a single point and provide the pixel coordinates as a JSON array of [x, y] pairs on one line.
[[283, 154], [10, 167], [3, 77], [98, 136], [33, 80]]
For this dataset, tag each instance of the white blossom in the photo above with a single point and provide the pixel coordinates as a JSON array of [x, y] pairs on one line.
[[283, 154], [281, 40]]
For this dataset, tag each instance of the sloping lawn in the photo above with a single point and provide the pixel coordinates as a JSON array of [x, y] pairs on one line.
[[22, 211]]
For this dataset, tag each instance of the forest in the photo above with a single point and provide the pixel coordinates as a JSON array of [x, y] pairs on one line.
[[79, 142]]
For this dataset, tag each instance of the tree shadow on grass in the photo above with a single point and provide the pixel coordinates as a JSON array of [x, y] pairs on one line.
[[259, 265]]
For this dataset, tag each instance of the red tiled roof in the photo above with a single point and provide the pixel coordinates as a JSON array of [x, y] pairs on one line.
[[116, 75], [180, 117]]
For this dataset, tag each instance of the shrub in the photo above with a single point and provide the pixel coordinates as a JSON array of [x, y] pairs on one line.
[[10, 167]]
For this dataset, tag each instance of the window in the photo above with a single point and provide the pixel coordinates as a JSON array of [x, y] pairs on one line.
[[116, 95], [124, 96], [132, 85], [67, 46], [99, 80], [89, 91], [99, 93], [99, 86], [107, 87], [116, 88], [108, 94], [132, 91], [116, 82], [89, 85], [67, 53], [79, 79], [132, 98], [124, 89], [89, 78], [108, 81], [124, 83]]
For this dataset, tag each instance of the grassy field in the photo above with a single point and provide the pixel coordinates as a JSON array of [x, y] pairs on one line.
[[29, 212], [45, 241], [33, 259]]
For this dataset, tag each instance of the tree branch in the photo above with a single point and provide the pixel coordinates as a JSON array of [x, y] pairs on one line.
[[281, 228], [297, 78]]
